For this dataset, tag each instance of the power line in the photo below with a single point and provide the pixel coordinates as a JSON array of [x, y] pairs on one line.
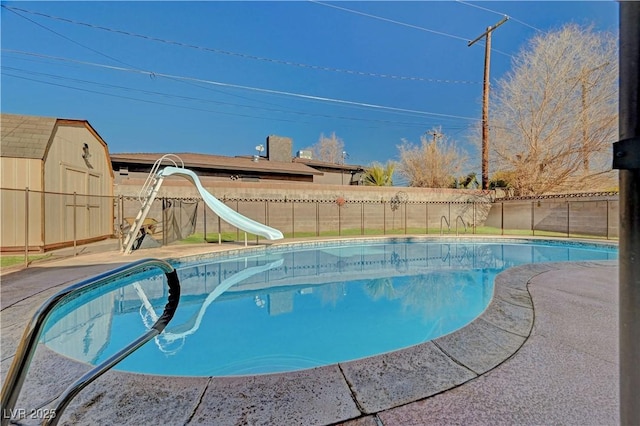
[[270, 118], [145, 100], [190, 98], [64, 37], [368, 15], [498, 13], [242, 55], [404, 24], [242, 87], [122, 62]]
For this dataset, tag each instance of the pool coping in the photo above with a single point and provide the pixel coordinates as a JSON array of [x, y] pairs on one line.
[[323, 395]]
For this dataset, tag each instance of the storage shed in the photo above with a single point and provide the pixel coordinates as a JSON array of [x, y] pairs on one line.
[[56, 183]]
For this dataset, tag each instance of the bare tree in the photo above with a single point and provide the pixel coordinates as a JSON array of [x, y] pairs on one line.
[[433, 164], [329, 149], [555, 114]]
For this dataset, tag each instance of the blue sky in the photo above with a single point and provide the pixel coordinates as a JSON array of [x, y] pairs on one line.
[[219, 77]]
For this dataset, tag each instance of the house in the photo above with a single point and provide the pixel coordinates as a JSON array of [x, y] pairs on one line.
[[276, 166], [334, 174], [56, 183], [211, 168]]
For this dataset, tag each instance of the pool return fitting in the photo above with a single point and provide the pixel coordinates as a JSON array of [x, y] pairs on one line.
[[24, 354]]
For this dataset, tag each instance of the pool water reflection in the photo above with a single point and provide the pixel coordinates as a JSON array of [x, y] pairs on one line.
[[297, 307]]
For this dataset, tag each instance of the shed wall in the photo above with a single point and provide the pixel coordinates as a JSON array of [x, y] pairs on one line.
[[82, 217]]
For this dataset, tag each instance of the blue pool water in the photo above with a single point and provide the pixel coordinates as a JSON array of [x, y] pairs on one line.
[[298, 307]]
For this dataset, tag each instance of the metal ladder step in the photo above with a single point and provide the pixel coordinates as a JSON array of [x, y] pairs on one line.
[[142, 215]]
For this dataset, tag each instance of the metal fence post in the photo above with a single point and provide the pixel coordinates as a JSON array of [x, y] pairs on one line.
[[361, 217], [607, 216], [165, 225], [26, 226], [533, 215], [120, 221], [204, 214], [406, 206], [293, 219], [568, 219], [474, 217], [384, 218], [426, 217], [75, 244], [502, 218]]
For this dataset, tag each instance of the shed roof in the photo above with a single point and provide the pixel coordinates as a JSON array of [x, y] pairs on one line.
[[25, 136], [207, 161], [29, 136]]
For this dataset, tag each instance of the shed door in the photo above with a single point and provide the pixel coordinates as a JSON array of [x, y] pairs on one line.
[[76, 209], [96, 206]]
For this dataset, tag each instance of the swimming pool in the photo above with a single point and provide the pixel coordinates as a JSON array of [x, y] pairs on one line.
[[293, 307]]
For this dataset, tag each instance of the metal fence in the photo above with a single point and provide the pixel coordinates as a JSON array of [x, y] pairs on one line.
[[558, 216], [35, 221], [308, 218]]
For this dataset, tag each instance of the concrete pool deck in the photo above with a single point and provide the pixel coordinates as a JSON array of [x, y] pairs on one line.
[[544, 352]]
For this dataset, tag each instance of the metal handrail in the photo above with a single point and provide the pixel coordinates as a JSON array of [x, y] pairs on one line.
[[151, 178], [447, 222], [461, 220], [24, 354]]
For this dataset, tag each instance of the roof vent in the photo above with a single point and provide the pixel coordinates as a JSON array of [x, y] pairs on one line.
[[305, 153]]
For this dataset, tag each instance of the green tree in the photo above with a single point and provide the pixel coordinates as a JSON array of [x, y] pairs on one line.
[[379, 175], [470, 181], [501, 179]]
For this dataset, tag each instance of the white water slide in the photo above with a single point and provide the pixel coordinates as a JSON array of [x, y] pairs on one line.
[[225, 212], [218, 207]]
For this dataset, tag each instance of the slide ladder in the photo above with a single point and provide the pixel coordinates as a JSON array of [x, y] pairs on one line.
[[146, 197]]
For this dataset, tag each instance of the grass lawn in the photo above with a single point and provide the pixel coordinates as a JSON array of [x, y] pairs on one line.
[[6, 261], [481, 230]]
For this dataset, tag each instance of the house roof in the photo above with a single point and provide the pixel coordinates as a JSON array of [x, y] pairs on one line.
[[207, 161], [328, 166], [28, 136], [25, 136]]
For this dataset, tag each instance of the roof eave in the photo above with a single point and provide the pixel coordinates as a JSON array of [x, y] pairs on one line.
[[235, 168]]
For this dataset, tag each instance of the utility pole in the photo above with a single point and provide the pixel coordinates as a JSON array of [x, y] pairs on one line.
[[436, 134], [585, 133], [485, 100], [585, 86], [626, 158]]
